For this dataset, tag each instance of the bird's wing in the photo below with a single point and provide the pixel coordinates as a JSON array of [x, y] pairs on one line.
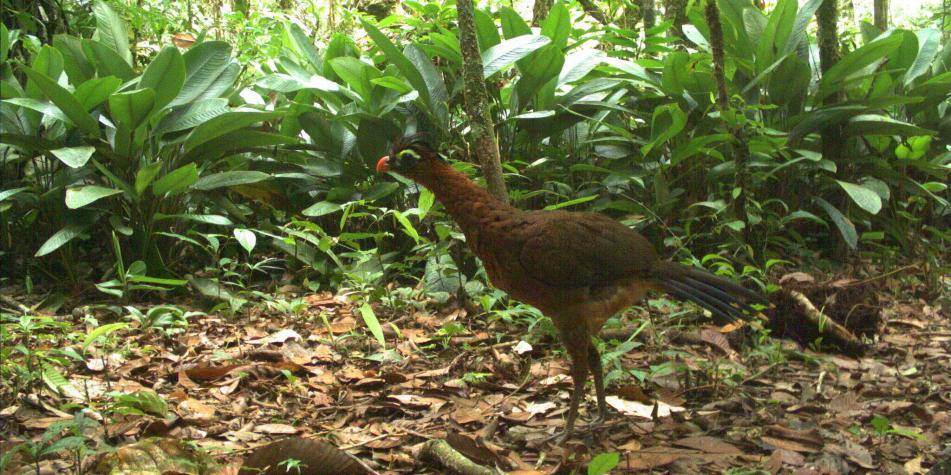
[[571, 250]]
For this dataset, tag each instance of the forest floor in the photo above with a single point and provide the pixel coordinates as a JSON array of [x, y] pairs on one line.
[[705, 403]]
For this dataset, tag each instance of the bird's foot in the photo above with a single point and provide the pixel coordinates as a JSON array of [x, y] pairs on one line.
[[604, 415], [558, 438]]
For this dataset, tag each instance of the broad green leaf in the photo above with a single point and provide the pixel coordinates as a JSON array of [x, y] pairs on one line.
[[603, 463], [95, 91], [557, 26], [286, 83], [246, 238], [43, 107], [578, 64], [509, 51], [107, 61], [166, 75], [929, 41], [101, 331], [821, 118], [576, 201], [237, 141], [407, 225], [5, 42], [874, 124], [7, 194], [369, 317], [225, 123], [321, 208], [145, 176], [129, 109], [846, 228], [176, 181], [65, 101], [213, 219], [48, 62], [74, 157], [486, 31], [776, 33], [209, 71], [426, 201], [111, 30], [301, 44], [77, 65], [855, 62], [862, 196], [396, 57], [431, 76], [394, 83], [232, 178], [60, 238], [191, 115], [797, 36], [83, 195], [355, 73], [512, 24]]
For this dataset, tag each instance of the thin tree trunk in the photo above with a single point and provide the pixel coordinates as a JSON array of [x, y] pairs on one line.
[[880, 14], [827, 35], [593, 11], [741, 148], [675, 11], [540, 11], [648, 13], [477, 103]]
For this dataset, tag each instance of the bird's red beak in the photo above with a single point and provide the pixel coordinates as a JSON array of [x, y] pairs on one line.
[[383, 165]]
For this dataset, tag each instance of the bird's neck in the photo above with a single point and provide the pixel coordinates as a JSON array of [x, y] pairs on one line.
[[469, 204]]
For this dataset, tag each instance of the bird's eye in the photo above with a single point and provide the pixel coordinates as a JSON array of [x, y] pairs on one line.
[[408, 153]]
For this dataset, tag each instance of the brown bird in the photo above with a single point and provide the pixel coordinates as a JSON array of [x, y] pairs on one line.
[[577, 268]]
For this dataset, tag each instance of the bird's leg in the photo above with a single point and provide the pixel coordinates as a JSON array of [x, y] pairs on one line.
[[579, 376], [594, 364]]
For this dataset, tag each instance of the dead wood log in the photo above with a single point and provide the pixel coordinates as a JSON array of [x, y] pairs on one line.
[[441, 453]]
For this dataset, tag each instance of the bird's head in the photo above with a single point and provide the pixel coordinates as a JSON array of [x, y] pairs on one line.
[[410, 156]]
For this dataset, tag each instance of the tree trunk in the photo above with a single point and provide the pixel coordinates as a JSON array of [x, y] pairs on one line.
[[741, 149], [827, 18], [540, 11], [477, 103], [648, 14], [880, 14], [827, 35], [593, 11], [676, 13]]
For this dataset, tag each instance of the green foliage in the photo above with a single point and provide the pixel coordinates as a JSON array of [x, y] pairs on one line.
[[177, 153]]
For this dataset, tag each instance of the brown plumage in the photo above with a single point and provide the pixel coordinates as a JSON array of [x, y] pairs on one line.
[[577, 268]]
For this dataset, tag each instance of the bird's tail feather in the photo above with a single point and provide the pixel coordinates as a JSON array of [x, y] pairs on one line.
[[720, 296]]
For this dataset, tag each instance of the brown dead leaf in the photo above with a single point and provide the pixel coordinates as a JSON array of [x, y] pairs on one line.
[[417, 402], [275, 429], [183, 40], [653, 457], [465, 415], [791, 445], [208, 373], [196, 410], [717, 340], [639, 409], [796, 279], [474, 449], [710, 445], [280, 337]]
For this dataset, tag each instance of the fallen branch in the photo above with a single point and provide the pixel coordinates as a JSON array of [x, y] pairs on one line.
[[442, 454], [825, 325]]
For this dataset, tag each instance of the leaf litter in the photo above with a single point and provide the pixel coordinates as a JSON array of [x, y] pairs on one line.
[[494, 393]]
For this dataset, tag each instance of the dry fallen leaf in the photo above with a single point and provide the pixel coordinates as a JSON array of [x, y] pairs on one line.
[[634, 408], [275, 429]]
